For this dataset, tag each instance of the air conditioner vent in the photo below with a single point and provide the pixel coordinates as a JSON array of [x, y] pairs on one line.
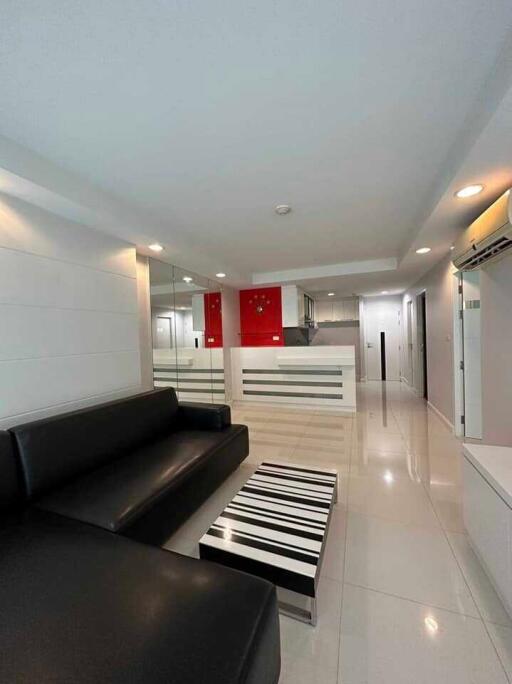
[[488, 238], [492, 251]]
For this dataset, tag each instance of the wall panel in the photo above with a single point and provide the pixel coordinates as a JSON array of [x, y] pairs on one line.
[[68, 312]]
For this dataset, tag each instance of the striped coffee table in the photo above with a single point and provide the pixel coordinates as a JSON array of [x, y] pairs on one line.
[[276, 528]]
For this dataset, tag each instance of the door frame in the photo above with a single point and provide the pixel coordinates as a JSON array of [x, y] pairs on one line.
[[421, 384], [409, 323], [458, 356]]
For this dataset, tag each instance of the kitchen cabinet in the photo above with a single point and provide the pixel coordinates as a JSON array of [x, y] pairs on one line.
[[338, 310], [324, 311]]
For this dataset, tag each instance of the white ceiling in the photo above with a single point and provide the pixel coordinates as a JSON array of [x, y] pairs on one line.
[[196, 119]]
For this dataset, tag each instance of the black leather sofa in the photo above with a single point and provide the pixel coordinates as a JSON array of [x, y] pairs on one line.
[[82, 602]]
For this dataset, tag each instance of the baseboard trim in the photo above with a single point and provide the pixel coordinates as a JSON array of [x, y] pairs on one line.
[[411, 387], [441, 415]]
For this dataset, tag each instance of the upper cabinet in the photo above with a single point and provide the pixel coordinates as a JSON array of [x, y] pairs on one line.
[[338, 310], [351, 309], [324, 311]]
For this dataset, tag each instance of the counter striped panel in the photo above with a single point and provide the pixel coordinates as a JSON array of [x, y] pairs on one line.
[[294, 384], [276, 525], [192, 384]]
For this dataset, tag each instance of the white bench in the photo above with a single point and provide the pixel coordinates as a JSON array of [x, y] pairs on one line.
[[487, 498]]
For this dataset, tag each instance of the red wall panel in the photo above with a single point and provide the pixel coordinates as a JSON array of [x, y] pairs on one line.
[[261, 318], [213, 319]]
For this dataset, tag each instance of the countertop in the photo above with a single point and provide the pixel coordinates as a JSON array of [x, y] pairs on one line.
[[494, 463]]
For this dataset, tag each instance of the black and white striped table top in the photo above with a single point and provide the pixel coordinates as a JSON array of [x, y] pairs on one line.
[[276, 525]]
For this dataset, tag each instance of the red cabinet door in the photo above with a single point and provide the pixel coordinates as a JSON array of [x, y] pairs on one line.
[[261, 319], [213, 319]]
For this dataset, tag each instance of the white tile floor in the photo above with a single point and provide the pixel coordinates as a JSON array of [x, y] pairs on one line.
[[402, 597]]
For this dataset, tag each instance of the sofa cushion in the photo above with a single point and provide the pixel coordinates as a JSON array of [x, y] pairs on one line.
[[115, 495], [56, 449], [83, 605], [11, 495]]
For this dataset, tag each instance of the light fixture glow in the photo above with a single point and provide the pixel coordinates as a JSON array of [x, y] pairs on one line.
[[388, 477], [283, 209], [423, 250], [469, 191], [431, 624], [330, 294], [156, 247], [385, 292], [220, 275], [452, 247], [187, 279]]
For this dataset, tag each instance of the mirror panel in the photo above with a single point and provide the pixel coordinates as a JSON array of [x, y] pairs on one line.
[[186, 316]]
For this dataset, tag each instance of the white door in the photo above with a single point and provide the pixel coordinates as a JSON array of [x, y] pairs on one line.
[[471, 335], [421, 380], [382, 333], [163, 333], [410, 345]]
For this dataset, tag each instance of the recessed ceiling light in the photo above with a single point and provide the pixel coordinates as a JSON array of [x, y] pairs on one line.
[[388, 477], [156, 247], [330, 294], [469, 191], [282, 209], [220, 275], [452, 247], [187, 279], [385, 292], [431, 624], [423, 250]]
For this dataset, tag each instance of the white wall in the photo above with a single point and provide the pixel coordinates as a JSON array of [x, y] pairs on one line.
[[68, 312], [438, 286]]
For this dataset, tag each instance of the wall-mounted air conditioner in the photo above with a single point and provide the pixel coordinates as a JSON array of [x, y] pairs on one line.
[[488, 238]]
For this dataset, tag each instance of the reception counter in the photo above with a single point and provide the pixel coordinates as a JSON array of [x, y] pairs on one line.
[[313, 377]]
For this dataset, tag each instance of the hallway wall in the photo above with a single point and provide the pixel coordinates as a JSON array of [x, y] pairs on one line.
[[496, 323], [68, 311], [438, 284]]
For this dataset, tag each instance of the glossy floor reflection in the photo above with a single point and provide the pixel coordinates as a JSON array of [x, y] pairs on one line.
[[402, 597]]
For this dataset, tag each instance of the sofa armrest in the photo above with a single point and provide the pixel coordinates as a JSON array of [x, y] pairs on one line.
[[198, 416]]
